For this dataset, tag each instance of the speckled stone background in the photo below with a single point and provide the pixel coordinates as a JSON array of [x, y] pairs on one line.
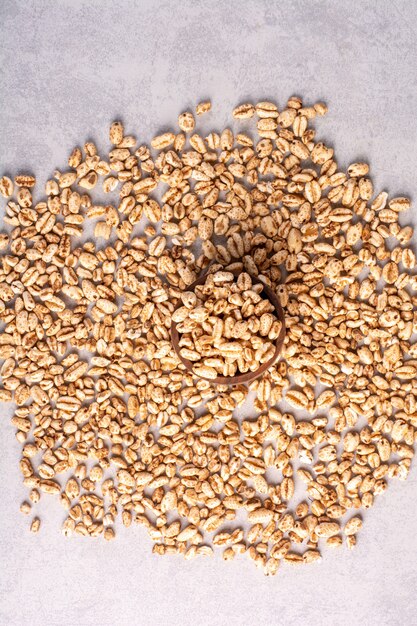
[[69, 69]]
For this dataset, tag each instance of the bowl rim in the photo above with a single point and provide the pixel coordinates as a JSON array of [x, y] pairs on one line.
[[246, 377]]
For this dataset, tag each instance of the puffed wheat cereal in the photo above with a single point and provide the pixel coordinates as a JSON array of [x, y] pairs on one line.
[[110, 421]]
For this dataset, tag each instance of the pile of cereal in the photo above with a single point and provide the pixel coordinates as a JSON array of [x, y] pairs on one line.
[[109, 419]]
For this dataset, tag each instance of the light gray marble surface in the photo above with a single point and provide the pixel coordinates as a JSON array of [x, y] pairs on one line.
[[69, 69]]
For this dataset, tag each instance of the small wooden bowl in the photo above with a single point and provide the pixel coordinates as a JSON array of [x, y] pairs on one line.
[[247, 377]]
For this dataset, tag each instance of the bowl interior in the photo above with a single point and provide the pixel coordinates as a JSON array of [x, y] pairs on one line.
[[247, 376]]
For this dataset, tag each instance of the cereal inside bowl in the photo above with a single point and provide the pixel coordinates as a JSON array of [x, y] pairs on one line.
[[227, 326]]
